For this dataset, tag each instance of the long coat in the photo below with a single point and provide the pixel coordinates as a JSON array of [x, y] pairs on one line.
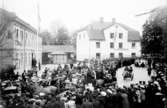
[[87, 105]]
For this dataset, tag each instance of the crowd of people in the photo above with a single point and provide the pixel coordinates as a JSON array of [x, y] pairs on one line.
[[89, 85]]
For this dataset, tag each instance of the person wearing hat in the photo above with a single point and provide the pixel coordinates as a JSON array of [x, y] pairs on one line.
[[87, 103], [78, 100], [71, 102], [159, 100], [95, 102]]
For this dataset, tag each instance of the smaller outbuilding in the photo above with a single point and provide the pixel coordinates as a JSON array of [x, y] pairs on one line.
[[58, 54]]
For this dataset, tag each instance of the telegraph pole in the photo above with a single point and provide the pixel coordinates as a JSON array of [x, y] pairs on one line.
[[38, 31], [2, 4]]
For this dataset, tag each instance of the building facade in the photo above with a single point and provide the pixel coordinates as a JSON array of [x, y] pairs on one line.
[[107, 40], [58, 54], [20, 44]]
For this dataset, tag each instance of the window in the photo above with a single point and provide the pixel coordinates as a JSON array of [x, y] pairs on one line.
[[21, 33], [111, 55], [111, 35], [120, 45], [25, 38], [25, 35], [111, 45], [79, 36], [98, 55], [120, 55], [133, 54], [120, 35], [9, 34], [97, 44], [83, 35], [133, 44], [25, 58], [30, 59], [21, 62], [17, 33], [17, 60]]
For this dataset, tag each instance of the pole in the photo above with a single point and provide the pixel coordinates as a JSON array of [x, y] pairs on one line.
[[2, 4], [38, 30], [24, 50]]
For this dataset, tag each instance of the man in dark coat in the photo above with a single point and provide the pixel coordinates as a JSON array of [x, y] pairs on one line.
[[78, 101], [87, 104], [96, 103]]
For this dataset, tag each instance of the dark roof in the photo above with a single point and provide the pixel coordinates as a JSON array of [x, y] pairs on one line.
[[95, 31], [58, 49], [15, 18], [96, 35]]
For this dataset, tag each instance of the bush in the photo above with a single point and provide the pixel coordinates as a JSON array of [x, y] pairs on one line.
[[126, 62], [8, 73]]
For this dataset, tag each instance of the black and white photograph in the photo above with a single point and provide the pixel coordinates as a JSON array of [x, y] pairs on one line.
[[83, 53]]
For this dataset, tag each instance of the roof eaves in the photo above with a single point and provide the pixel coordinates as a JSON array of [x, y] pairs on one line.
[[25, 24]]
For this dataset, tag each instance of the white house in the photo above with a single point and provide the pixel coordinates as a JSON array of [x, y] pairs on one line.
[[107, 40]]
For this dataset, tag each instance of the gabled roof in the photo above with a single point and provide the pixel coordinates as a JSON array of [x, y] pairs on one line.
[[96, 31], [133, 35], [13, 17], [58, 49], [95, 35]]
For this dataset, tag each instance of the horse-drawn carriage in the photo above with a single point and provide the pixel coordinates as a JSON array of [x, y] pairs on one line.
[[128, 73], [11, 88]]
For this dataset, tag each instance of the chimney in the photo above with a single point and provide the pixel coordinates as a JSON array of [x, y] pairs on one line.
[[101, 19], [113, 20]]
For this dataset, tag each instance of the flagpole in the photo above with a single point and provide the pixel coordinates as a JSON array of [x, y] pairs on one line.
[[38, 31], [2, 4]]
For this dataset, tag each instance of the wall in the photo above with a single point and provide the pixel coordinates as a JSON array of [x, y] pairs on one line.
[[26, 47], [82, 47], [94, 50]]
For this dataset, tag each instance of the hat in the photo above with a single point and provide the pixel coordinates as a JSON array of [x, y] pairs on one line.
[[63, 98], [103, 93], [42, 94], [109, 91], [142, 86], [156, 83], [73, 97], [158, 94], [36, 96]]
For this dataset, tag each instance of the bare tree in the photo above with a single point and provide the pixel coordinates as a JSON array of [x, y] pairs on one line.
[[46, 37], [155, 33], [59, 34], [62, 36]]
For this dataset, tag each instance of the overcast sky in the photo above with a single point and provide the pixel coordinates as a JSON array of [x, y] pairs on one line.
[[78, 13]]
